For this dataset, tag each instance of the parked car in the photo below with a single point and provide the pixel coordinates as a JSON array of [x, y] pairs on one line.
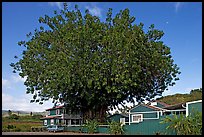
[[55, 128]]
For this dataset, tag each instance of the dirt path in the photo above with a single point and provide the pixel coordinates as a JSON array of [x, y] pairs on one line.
[[49, 133]]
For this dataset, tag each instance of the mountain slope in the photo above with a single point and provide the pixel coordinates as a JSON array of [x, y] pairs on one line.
[[195, 94]]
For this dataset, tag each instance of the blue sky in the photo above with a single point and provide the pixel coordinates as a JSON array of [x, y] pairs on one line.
[[181, 23]]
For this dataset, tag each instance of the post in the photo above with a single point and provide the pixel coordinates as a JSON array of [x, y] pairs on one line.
[[129, 117]]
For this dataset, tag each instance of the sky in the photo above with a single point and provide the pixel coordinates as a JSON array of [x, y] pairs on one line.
[[180, 21]]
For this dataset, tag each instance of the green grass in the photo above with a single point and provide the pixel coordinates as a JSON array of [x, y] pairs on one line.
[[22, 124]]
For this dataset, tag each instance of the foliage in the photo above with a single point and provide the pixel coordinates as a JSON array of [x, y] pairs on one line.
[[13, 116], [116, 128], [11, 128], [190, 125], [91, 126], [124, 110], [9, 112], [159, 133], [195, 94], [84, 62], [38, 128], [23, 123], [37, 116], [19, 126]]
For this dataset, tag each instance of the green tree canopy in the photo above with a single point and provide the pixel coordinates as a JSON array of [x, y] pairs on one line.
[[94, 65]]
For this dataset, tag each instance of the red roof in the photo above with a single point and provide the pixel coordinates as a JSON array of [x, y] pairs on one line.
[[49, 117], [55, 107], [148, 106], [165, 105], [152, 107]]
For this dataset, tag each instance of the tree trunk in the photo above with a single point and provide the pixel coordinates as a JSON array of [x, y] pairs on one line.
[[98, 114], [102, 114]]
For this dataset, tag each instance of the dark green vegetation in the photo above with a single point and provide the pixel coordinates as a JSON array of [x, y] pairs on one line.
[[93, 65], [115, 128], [20, 123], [91, 126], [190, 125], [194, 95]]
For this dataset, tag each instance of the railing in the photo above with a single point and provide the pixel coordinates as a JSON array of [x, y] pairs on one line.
[[66, 116]]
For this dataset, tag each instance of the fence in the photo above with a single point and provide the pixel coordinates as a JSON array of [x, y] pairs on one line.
[[148, 127], [80, 128]]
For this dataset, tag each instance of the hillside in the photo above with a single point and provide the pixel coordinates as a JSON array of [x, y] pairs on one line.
[[195, 94], [5, 113]]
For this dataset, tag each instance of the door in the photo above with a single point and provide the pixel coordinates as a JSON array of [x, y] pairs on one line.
[[122, 120]]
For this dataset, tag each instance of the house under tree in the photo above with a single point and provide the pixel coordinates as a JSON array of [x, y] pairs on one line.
[[59, 115]]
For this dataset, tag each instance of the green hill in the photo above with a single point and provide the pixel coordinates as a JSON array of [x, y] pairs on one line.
[[22, 113], [195, 94]]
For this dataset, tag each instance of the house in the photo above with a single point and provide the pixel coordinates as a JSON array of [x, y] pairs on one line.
[[59, 115], [193, 106], [153, 110], [144, 119], [143, 112], [118, 117]]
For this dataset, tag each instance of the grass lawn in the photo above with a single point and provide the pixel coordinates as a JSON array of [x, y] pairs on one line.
[[23, 123]]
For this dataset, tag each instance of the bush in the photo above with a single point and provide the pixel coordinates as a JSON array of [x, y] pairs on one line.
[[11, 127], [17, 129], [91, 126], [14, 116], [37, 116], [115, 128], [5, 129], [191, 125]]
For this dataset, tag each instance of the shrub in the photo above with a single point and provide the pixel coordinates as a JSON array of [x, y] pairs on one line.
[[14, 116], [91, 126], [115, 128], [37, 116], [5, 129], [11, 127], [17, 129], [191, 125]]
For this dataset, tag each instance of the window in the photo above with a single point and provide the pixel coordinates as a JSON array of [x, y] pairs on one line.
[[52, 122], [73, 122], [57, 111], [48, 113], [69, 112], [45, 122], [122, 120], [137, 118]]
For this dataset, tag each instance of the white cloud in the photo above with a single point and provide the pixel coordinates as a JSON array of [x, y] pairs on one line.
[[58, 4], [23, 103], [9, 83], [177, 6], [168, 92], [94, 10], [187, 90], [19, 101], [17, 79], [5, 83]]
